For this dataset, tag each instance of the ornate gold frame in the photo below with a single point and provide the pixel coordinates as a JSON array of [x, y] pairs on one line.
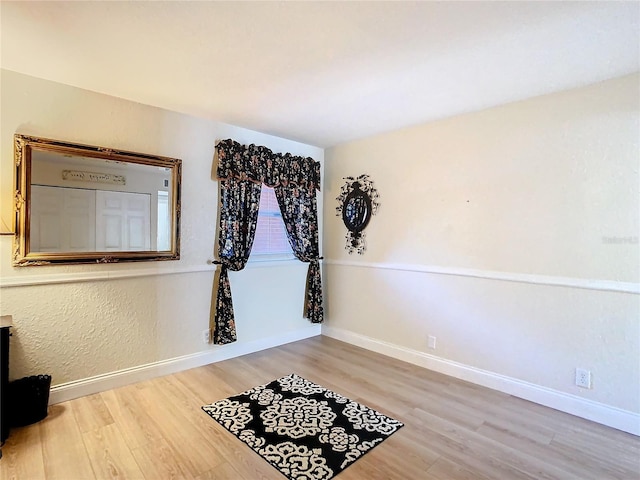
[[22, 256]]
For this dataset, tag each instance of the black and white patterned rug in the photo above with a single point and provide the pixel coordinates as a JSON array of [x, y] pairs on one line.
[[304, 430]]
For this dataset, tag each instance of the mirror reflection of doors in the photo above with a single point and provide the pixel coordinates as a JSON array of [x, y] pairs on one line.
[[128, 217], [83, 204], [81, 220], [123, 222]]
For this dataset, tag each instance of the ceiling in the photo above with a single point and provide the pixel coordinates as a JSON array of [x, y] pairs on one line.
[[322, 73]]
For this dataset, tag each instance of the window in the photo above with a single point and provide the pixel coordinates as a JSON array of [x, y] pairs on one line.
[[164, 221], [271, 237]]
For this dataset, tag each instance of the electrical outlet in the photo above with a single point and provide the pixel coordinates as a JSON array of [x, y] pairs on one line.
[[583, 378], [431, 342], [206, 337]]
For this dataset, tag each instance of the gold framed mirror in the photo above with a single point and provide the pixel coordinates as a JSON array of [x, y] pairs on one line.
[[85, 204]]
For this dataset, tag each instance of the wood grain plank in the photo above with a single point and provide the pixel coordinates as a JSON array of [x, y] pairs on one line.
[[178, 430], [157, 460], [110, 456], [444, 469], [63, 452], [224, 471], [91, 412], [135, 424], [22, 456]]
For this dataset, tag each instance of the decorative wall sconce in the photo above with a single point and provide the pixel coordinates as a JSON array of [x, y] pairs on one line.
[[358, 200]]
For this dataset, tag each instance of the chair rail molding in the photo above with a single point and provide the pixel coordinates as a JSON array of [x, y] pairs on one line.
[[96, 276], [536, 279]]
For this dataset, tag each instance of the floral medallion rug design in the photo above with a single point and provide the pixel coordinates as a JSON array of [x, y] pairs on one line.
[[304, 430]]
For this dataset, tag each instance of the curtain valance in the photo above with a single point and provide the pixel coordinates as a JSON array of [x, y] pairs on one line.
[[260, 165]]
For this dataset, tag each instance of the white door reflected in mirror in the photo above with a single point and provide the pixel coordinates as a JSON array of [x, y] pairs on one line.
[[79, 204]]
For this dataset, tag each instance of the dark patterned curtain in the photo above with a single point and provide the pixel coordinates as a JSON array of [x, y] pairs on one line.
[[300, 214], [241, 170], [261, 165], [239, 202]]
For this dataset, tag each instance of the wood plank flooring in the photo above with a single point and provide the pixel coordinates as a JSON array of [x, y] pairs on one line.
[[453, 430]]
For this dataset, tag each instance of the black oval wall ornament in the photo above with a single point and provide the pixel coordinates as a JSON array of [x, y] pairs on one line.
[[358, 200]]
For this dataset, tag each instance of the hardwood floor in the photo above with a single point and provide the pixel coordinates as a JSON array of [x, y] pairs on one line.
[[453, 430]]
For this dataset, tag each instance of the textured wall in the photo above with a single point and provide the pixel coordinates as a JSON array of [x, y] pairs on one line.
[[80, 329], [535, 191]]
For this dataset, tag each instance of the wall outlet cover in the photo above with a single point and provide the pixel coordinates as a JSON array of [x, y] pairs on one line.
[[583, 378]]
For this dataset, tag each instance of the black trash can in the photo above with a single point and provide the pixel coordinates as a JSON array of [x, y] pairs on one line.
[[28, 400]]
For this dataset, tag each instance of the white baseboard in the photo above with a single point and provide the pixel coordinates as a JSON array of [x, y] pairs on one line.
[[604, 414], [120, 378]]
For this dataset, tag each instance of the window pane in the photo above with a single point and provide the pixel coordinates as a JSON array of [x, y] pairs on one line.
[[271, 237], [164, 222]]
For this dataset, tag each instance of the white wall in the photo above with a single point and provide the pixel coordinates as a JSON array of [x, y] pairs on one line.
[[104, 318], [511, 235]]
